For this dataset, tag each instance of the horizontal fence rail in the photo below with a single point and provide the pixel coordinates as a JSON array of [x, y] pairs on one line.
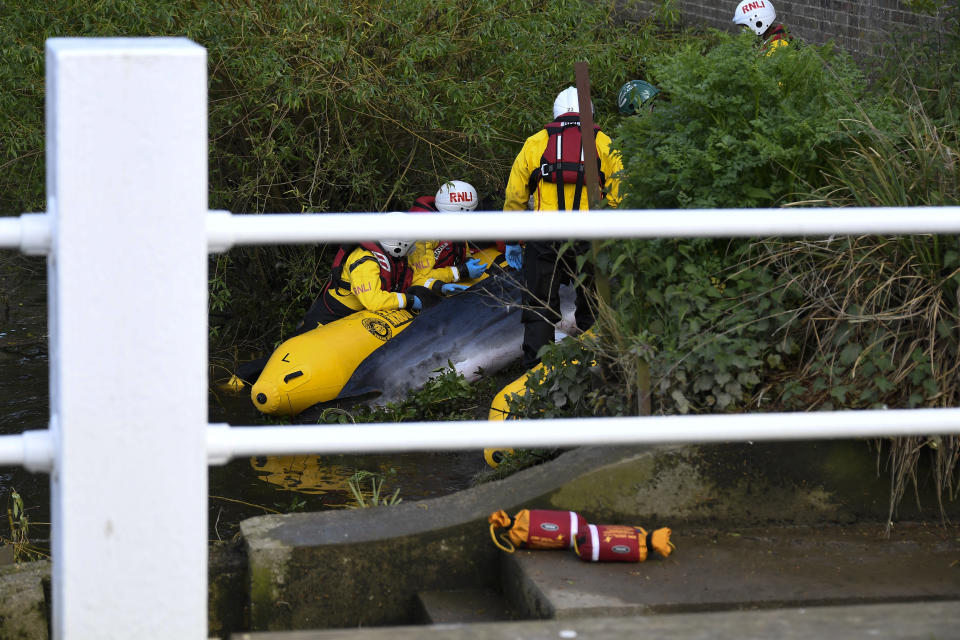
[[225, 230], [33, 450], [31, 232], [225, 442]]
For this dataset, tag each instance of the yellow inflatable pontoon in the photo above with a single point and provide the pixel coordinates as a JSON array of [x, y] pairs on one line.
[[313, 366], [499, 408]]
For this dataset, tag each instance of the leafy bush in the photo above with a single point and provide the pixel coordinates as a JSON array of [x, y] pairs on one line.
[[701, 319], [570, 383], [736, 128]]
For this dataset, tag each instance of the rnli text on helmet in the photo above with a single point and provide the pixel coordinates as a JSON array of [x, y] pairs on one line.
[[753, 6]]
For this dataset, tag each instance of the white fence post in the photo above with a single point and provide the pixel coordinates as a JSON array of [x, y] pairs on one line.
[[127, 192]]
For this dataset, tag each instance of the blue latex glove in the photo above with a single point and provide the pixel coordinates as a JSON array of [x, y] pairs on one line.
[[475, 268], [514, 255], [416, 305], [450, 289]]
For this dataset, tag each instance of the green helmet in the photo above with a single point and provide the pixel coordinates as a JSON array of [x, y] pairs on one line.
[[633, 94]]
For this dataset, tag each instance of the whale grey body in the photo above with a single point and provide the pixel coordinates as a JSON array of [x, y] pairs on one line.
[[478, 330]]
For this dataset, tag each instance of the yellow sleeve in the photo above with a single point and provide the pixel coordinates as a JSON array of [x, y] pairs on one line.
[[774, 45], [365, 284], [423, 259], [518, 193], [610, 164]]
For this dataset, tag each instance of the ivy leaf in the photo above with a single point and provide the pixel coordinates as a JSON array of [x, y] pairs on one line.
[[850, 353]]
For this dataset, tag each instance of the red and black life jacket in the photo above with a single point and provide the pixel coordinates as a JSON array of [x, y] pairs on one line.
[[395, 274], [775, 34], [449, 254], [424, 204], [562, 161]]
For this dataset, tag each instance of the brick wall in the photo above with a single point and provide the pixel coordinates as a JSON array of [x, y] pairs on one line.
[[856, 25]]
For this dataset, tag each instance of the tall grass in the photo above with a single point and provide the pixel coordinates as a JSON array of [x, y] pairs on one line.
[[881, 322]]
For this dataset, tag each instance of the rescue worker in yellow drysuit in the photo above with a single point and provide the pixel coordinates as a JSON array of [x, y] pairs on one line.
[[439, 265], [372, 275], [760, 17], [549, 167]]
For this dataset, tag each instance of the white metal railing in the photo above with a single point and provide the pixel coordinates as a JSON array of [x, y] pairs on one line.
[[127, 235], [31, 232], [225, 442]]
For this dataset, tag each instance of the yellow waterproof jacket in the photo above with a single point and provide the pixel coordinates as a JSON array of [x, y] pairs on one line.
[[367, 273], [545, 194], [778, 38], [423, 260]]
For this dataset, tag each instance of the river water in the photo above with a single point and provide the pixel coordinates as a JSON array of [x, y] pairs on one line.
[[241, 489]]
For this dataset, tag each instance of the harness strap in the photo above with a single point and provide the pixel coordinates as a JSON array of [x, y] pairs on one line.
[[558, 178], [553, 171], [580, 180]]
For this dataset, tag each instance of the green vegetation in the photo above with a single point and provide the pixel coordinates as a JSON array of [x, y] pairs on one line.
[[332, 106], [373, 497], [19, 540], [783, 324], [362, 106], [737, 128], [445, 397]]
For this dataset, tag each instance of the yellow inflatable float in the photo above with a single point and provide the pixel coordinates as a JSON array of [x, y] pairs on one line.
[[313, 366], [500, 408]]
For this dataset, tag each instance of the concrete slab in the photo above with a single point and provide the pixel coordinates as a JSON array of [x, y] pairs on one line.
[[23, 604], [463, 606], [342, 569], [927, 620], [748, 568]]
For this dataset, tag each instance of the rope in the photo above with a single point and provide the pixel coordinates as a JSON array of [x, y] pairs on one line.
[[496, 541]]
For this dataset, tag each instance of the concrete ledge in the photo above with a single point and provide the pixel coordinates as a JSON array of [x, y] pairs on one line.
[[463, 605], [743, 569], [930, 620], [365, 567]]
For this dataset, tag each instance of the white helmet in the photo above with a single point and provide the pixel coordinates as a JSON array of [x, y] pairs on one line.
[[456, 195], [397, 248], [568, 101], [759, 15]]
